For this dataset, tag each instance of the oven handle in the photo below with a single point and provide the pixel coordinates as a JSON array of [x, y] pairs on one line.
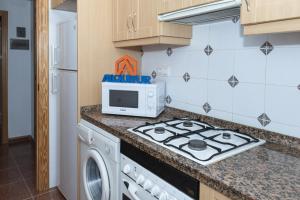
[[132, 189]]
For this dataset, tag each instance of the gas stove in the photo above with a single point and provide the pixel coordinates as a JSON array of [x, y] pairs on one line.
[[198, 141]]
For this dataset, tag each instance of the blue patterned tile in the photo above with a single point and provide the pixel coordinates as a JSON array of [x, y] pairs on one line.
[[267, 48], [264, 119], [208, 50], [186, 77], [233, 81], [207, 107]]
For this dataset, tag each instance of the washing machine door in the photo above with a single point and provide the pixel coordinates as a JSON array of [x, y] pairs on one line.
[[95, 176]]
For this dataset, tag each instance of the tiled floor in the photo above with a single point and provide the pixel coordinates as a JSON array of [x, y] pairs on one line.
[[17, 174]]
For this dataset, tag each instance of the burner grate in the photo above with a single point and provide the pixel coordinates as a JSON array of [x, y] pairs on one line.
[[171, 128], [198, 140], [247, 140]]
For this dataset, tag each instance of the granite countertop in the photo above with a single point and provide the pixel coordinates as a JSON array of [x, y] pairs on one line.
[[268, 172]]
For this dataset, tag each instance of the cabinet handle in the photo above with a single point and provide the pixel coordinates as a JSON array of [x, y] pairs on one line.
[[129, 18], [134, 22], [248, 5]]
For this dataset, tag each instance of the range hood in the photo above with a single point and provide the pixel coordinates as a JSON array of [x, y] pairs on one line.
[[204, 13]]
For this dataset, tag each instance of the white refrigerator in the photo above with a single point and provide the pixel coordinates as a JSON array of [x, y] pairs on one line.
[[63, 106]]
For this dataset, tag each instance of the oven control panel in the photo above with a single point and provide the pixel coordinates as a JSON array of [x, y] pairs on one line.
[[142, 184]]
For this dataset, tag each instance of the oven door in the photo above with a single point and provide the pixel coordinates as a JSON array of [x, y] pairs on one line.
[[131, 191], [122, 98], [95, 176]]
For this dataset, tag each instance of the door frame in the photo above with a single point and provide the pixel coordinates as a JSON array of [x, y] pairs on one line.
[[4, 134], [41, 16]]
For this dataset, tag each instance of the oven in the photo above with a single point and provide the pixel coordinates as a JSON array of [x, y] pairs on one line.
[[144, 177]]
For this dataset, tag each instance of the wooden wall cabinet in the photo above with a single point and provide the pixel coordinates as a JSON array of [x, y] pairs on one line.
[[66, 5], [56, 3], [270, 16], [135, 23], [173, 5], [207, 193]]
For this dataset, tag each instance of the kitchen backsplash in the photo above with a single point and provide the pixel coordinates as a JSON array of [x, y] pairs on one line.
[[251, 80]]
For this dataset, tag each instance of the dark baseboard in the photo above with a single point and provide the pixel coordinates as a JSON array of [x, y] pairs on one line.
[[60, 192], [26, 138]]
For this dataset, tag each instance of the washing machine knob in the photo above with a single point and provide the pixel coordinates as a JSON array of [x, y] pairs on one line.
[[164, 196], [155, 190], [140, 179], [148, 184], [127, 169]]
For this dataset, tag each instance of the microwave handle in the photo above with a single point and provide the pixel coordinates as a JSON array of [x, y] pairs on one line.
[[132, 189]]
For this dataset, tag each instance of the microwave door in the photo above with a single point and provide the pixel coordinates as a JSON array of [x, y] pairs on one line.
[[127, 101], [124, 99]]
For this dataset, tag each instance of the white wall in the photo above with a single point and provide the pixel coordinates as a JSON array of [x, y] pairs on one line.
[[267, 83], [20, 70]]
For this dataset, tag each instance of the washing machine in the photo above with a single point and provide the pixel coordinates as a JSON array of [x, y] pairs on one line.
[[99, 157]]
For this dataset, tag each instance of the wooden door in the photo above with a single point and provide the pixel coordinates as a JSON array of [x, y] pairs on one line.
[[41, 95], [3, 77], [145, 22], [261, 11], [122, 20]]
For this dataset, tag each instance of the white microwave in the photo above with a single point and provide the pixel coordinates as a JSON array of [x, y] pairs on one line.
[[133, 99]]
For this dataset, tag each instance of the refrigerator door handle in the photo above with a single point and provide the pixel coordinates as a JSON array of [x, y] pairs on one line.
[[56, 56], [54, 88]]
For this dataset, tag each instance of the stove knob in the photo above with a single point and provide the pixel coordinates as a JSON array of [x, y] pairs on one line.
[[140, 179], [155, 190], [164, 196], [127, 169], [147, 185]]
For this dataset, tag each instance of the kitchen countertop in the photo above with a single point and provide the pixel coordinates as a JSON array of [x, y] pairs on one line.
[[268, 172]]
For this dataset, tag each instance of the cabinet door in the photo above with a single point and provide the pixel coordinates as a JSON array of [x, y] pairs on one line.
[[200, 2], [274, 10], [122, 19], [208, 193], [145, 22], [218, 196], [248, 12], [56, 3], [186, 3], [261, 11], [172, 5]]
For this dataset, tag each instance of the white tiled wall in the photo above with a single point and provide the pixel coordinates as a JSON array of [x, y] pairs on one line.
[[267, 83]]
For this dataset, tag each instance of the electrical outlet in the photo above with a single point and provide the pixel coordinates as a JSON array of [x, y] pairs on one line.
[[162, 71]]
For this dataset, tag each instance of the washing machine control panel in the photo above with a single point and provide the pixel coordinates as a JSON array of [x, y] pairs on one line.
[[143, 184]]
